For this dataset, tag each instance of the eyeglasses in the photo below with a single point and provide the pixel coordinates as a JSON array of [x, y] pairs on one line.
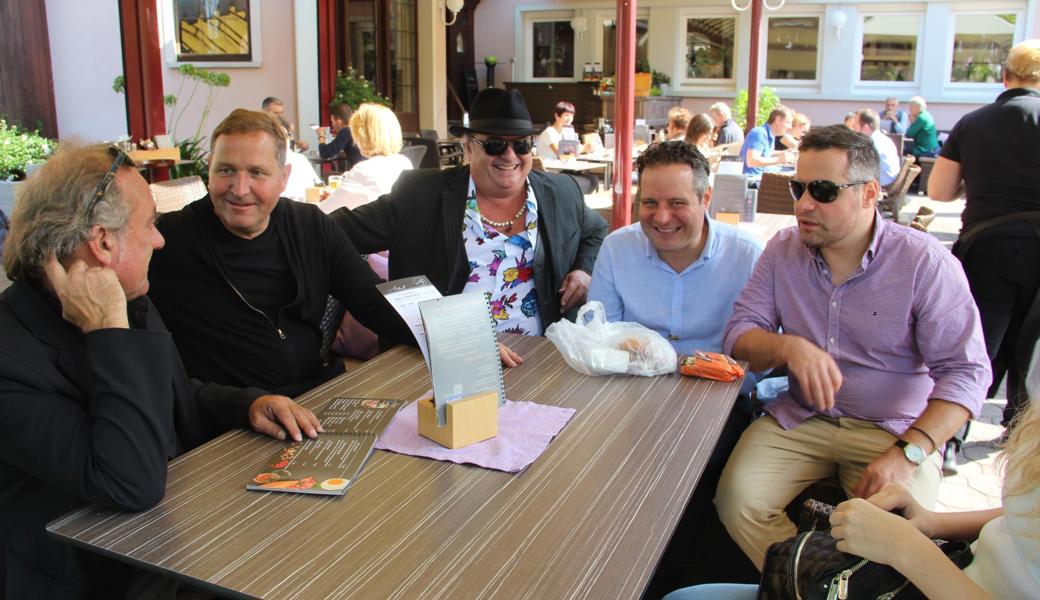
[[497, 147], [119, 158], [821, 190]]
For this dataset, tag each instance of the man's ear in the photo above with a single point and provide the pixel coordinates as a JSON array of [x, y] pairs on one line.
[[100, 249], [706, 199], [871, 193]]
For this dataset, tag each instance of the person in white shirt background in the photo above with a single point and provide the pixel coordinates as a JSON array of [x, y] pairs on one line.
[[548, 145]]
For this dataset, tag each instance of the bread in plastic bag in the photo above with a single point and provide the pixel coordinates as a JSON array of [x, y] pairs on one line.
[[593, 346]]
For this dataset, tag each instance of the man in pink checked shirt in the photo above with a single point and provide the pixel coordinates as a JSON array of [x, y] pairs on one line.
[[881, 338]]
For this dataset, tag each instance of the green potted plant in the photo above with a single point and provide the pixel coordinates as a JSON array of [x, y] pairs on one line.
[[19, 148], [659, 82], [767, 101], [354, 90]]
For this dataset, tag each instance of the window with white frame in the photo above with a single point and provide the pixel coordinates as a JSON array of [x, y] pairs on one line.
[[981, 42], [609, 44], [792, 48], [552, 49], [709, 48], [890, 47]]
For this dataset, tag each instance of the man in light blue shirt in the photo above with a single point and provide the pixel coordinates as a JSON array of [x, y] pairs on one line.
[[677, 271], [896, 120], [868, 124], [757, 151]]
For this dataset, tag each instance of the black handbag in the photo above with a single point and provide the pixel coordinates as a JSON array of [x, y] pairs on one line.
[[809, 566]]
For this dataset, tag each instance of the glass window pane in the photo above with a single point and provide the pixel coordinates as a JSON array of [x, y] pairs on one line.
[[980, 45], [709, 48], [403, 76], [553, 49], [791, 47], [889, 47], [610, 44]]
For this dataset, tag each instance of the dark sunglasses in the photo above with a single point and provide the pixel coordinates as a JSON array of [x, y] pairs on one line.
[[497, 147], [119, 158], [821, 190]]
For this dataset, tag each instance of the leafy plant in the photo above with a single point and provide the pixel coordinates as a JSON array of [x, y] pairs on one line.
[[643, 66], [354, 90], [19, 148], [212, 80], [767, 101], [660, 78]]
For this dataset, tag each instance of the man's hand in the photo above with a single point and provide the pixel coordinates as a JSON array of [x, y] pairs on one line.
[[509, 357], [277, 416], [574, 290], [891, 467], [91, 297], [817, 373]]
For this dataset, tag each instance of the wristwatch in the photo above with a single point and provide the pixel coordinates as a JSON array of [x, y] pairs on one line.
[[913, 452]]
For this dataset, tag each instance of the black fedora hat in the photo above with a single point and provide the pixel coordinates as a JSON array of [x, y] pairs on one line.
[[498, 112]]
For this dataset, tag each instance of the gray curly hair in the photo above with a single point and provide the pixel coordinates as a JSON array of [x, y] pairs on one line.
[[50, 211]]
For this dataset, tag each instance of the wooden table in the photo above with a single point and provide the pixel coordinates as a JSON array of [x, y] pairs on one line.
[[589, 519]]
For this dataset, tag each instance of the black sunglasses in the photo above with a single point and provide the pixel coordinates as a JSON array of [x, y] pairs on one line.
[[497, 147], [821, 190], [119, 158]]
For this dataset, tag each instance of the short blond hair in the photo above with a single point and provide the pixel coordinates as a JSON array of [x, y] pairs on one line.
[[800, 120], [679, 117], [376, 130], [1023, 62], [249, 121]]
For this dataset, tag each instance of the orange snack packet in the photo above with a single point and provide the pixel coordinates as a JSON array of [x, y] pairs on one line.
[[710, 365]]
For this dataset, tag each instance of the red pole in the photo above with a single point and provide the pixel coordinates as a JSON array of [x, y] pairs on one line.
[[752, 93], [142, 73], [624, 112]]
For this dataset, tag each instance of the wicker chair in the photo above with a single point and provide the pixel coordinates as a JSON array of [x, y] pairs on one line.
[[175, 194], [774, 195], [895, 196]]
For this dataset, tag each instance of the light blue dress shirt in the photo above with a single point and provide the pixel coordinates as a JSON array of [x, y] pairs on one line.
[[690, 309]]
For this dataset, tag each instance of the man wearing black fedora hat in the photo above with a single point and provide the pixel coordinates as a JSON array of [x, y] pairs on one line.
[[493, 225]]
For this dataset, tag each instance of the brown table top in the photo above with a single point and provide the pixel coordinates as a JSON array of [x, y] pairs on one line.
[[589, 519]]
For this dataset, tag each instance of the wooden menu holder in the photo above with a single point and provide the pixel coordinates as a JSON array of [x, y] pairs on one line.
[[469, 420]]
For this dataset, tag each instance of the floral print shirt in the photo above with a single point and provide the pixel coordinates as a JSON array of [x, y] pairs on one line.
[[503, 266]]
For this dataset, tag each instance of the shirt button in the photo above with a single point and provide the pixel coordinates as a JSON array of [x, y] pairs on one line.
[[830, 339], [834, 304]]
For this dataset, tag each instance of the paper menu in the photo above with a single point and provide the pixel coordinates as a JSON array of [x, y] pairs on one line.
[[463, 349], [405, 295]]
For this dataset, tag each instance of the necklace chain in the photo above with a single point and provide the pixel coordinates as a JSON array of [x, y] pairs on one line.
[[506, 224]]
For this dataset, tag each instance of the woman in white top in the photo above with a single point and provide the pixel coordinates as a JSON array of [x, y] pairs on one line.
[[1007, 546], [377, 133], [548, 145]]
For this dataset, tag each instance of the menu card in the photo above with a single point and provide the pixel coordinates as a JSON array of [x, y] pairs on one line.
[[463, 355], [329, 464], [405, 295]]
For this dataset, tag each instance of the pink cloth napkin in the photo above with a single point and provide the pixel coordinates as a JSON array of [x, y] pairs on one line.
[[524, 432]]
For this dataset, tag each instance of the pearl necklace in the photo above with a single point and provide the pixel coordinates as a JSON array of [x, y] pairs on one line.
[[506, 224]]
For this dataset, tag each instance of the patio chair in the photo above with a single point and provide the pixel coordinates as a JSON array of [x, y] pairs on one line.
[[430, 158], [895, 199], [414, 154], [175, 194], [774, 195]]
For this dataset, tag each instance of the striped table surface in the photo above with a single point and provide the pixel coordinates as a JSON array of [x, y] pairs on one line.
[[590, 518]]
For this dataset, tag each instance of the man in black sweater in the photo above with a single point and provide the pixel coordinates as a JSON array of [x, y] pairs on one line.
[[245, 276], [343, 141]]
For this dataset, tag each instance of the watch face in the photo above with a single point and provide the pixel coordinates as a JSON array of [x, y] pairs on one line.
[[914, 453]]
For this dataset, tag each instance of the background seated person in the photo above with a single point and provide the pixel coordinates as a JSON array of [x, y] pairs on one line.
[[789, 141], [757, 151], [301, 175], [897, 119], [276, 107], [245, 276], [699, 132], [343, 141], [493, 225], [870, 125], [922, 129], [94, 399], [727, 131], [561, 129], [377, 133], [678, 121], [880, 337]]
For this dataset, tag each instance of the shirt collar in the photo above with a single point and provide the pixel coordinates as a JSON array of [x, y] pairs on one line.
[[876, 238], [1016, 92]]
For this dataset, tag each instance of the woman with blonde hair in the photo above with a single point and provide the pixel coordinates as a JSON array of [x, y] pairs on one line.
[[377, 133], [1007, 547], [799, 127]]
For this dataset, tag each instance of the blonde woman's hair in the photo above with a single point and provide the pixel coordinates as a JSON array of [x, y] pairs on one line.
[[800, 120], [1023, 62], [1021, 456], [376, 130]]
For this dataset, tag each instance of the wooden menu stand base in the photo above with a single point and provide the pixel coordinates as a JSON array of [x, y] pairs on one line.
[[470, 420]]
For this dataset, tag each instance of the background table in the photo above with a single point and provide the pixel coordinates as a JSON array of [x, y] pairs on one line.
[[589, 519]]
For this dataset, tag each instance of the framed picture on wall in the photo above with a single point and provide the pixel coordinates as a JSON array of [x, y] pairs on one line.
[[211, 33]]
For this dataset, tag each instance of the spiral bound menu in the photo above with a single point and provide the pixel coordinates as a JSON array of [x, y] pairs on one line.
[[463, 349]]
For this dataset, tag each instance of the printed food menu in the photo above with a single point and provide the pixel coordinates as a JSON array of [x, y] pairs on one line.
[[329, 464]]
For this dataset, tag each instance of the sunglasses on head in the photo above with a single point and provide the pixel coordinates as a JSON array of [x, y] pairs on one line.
[[821, 190], [497, 147], [119, 158]]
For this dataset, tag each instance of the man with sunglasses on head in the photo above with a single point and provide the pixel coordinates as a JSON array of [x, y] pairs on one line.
[[493, 225], [881, 339], [94, 399]]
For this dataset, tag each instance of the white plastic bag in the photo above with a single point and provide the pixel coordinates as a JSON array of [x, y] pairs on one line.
[[594, 347]]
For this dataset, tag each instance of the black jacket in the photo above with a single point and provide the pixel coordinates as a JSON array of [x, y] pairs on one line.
[[88, 418], [223, 339], [344, 141], [420, 223]]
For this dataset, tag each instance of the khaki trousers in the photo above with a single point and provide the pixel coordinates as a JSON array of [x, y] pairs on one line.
[[770, 466]]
